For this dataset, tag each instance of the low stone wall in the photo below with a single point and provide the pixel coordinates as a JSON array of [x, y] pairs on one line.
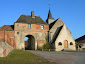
[[5, 49]]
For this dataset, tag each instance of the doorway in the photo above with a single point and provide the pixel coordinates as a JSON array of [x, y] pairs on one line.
[[65, 44], [29, 42]]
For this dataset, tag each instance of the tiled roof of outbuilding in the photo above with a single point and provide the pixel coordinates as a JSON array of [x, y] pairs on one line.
[[29, 20], [7, 28], [81, 39]]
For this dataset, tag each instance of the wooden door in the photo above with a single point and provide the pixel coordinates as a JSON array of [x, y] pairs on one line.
[[65, 44]]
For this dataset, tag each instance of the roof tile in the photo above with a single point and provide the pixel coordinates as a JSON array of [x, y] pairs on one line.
[[7, 27]]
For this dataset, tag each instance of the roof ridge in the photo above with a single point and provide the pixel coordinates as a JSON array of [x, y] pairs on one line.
[[52, 24], [29, 20], [28, 15], [7, 27], [2, 26]]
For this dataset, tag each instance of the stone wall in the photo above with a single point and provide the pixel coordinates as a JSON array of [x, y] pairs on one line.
[[7, 36], [57, 24], [63, 36], [5, 49], [35, 30]]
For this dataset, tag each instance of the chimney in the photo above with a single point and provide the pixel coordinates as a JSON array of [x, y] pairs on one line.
[[32, 14]]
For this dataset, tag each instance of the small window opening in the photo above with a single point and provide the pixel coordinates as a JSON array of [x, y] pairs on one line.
[[71, 43], [59, 43], [42, 26], [17, 32], [29, 25]]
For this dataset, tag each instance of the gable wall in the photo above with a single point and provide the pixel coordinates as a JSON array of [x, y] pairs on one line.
[[64, 35], [58, 23]]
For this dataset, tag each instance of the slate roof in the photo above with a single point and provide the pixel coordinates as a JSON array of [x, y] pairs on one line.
[[55, 27], [59, 23], [50, 15], [51, 25], [56, 34], [7, 28], [81, 39], [29, 20]]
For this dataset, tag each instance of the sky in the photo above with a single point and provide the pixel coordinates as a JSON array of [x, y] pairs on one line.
[[72, 12]]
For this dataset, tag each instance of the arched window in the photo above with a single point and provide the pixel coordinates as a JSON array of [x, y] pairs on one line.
[[71, 43], [59, 43]]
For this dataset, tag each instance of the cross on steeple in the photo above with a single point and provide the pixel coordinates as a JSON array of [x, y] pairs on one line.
[[49, 4]]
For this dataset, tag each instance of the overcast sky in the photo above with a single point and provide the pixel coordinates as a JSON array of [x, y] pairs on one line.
[[72, 12]]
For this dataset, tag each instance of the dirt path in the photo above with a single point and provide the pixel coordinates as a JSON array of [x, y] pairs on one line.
[[62, 57]]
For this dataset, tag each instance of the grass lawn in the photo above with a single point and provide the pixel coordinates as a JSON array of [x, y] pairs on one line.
[[23, 57]]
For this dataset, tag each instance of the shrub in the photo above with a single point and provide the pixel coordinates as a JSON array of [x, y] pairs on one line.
[[83, 48], [47, 44], [39, 48]]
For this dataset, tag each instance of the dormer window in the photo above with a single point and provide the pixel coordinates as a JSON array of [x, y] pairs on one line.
[[42, 26], [29, 25]]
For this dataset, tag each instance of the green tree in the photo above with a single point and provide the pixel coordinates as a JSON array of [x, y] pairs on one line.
[[47, 44]]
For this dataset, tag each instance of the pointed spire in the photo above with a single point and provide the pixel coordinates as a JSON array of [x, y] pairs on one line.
[[50, 15], [50, 19]]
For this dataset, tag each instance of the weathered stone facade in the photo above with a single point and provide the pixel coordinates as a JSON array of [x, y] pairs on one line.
[[35, 30], [59, 35], [5, 49], [63, 36], [80, 42], [7, 36], [15, 34]]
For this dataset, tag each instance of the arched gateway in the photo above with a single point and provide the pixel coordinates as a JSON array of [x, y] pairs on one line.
[[30, 43]]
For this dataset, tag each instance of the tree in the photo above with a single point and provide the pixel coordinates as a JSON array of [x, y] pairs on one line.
[[47, 44]]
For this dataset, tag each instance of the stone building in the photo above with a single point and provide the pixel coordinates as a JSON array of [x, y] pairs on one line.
[[80, 42], [36, 30], [59, 35], [32, 27]]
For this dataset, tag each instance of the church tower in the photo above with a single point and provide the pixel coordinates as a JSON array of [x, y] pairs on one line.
[[50, 19]]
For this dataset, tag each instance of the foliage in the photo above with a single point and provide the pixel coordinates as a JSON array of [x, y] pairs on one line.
[[23, 57], [47, 44], [83, 48], [40, 48]]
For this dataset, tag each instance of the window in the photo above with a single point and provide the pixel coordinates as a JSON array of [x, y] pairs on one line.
[[44, 33], [71, 43], [29, 25], [59, 43], [42, 26], [17, 32]]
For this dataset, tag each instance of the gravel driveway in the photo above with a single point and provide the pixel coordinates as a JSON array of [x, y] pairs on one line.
[[62, 57]]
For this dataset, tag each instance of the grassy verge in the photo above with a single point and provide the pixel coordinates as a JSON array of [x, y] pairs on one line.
[[23, 57]]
